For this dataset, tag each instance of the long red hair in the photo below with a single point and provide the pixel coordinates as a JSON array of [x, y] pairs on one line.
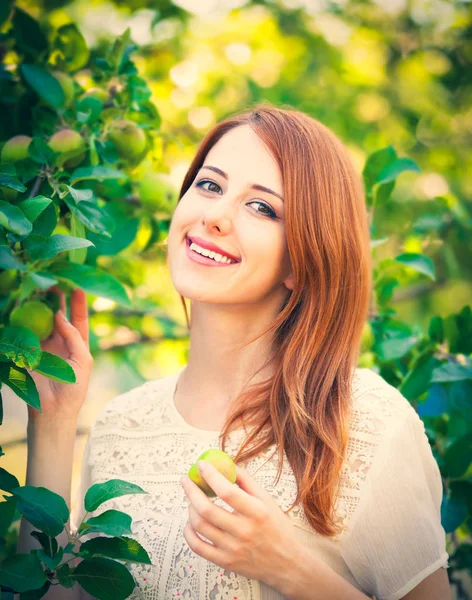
[[304, 407]]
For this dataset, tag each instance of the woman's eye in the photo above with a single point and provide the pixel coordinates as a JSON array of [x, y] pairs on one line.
[[270, 212], [202, 181]]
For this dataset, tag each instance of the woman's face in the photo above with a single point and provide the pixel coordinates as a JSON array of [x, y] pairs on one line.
[[244, 222]]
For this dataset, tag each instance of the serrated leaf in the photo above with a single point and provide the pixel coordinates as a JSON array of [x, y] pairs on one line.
[[56, 244], [44, 509], [56, 368], [21, 346], [92, 216], [418, 262], [119, 548], [20, 382], [99, 493]]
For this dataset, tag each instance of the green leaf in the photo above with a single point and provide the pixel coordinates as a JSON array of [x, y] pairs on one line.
[[44, 250], [7, 480], [33, 207], [119, 548], [13, 219], [36, 594], [92, 216], [56, 368], [104, 579], [463, 343], [418, 262], [42, 508], [9, 261], [64, 576], [80, 195], [384, 288], [72, 46], [28, 35], [44, 84], [458, 457], [22, 572], [48, 543], [77, 228], [393, 170], [383, 192], [374, 164], [394, 348], [100, 173], [375, 243], [417, 380], [12, 183], [111, 522], [50, 562], [7, 514], [453, 513], [20, 382], [5, 10], [435, 330], [95, 281], [41, 280], [21, 345], [452, 372], [40, 152], [99, 493]]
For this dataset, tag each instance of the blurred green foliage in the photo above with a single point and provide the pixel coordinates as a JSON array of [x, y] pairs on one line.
[[109, 115]]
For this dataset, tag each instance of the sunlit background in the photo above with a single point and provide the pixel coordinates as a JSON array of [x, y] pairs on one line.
[[376, 72]]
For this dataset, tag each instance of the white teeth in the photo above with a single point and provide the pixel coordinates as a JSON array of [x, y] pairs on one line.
[[210, 254]]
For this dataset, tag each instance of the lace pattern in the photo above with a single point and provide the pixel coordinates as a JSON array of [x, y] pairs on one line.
[[139, 437]]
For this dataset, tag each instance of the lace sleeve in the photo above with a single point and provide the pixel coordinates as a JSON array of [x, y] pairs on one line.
[[396, 538]]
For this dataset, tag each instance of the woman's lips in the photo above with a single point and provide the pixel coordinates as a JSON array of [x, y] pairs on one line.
[[203, 260]]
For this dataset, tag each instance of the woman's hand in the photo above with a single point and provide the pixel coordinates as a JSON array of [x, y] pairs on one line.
[[70, 341], [256, 540]]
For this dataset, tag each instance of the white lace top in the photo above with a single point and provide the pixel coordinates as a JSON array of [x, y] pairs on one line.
[[389, 503]]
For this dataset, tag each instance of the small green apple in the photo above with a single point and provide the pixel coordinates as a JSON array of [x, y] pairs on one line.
[[129, 139], [71, 145], [221, 461], [16, 148], [155, 194], [35, 315]]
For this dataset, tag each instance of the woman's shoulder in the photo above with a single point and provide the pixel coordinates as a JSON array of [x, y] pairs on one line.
[[135, 407], [376, 404]]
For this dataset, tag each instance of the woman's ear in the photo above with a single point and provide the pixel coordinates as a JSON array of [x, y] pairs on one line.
[[289, 282]]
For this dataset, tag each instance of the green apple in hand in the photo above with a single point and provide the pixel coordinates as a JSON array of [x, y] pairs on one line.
[[221, 461]]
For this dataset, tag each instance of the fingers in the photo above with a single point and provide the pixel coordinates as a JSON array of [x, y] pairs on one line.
[[79, 313], [72, 338]]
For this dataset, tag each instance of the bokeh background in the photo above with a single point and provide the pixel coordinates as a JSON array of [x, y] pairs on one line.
[[378, 73]]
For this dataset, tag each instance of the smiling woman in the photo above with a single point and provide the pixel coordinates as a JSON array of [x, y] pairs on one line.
[[340, 494]]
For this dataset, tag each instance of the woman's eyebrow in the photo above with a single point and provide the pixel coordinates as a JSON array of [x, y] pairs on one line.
[[254, 186]]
